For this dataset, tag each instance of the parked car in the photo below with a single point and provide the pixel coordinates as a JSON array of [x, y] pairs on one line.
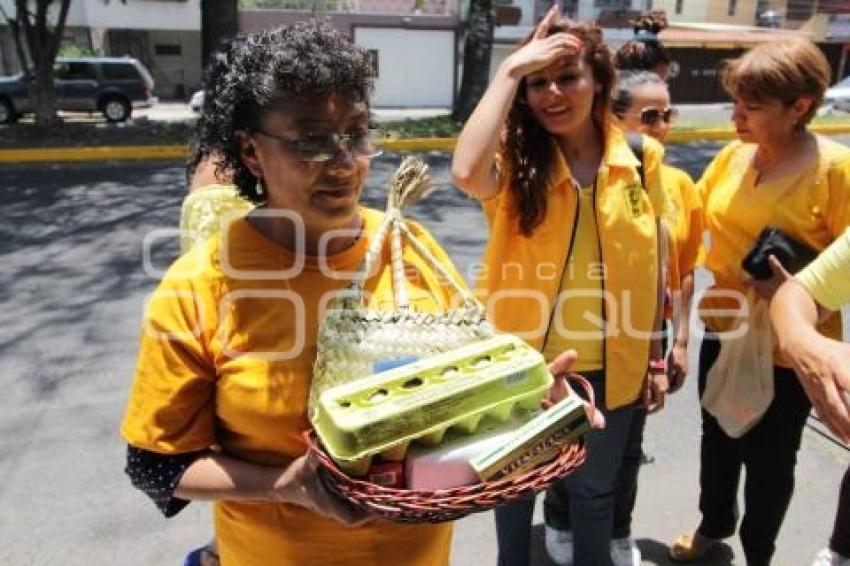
[[111, 85], [838, 96], [197, 101]]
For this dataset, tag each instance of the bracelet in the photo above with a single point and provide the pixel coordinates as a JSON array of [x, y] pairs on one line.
[[657, 366]]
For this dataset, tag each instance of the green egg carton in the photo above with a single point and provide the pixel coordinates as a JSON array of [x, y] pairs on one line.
[[383, 413]]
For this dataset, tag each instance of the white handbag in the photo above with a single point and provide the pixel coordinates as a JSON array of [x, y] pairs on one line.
[[739, 386]]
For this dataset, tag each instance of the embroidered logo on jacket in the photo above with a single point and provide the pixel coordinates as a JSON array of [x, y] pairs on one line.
[[635, 202]]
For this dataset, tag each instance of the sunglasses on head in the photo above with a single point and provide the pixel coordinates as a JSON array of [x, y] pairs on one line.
[[651, 116]]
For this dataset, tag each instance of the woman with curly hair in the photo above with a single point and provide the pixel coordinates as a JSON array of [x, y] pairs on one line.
[[572, 260], [218, 405]]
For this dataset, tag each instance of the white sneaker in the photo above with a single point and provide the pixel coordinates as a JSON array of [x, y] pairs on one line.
[[827, 557], [624, 552], [559, 546]]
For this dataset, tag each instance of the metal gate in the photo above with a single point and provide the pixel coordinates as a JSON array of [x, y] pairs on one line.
[[698, 73]]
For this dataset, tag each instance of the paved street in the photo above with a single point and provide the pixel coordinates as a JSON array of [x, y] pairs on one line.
[[72, 291]]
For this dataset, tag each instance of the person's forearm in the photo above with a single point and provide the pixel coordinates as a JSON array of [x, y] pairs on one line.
[[473, 163], [216, 476], [794, 314], [683, 314]]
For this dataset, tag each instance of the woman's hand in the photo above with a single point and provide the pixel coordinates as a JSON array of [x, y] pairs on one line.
[[677, 365], [560, 370], [301, 484], [824, 372], [543, 51], [766, 288], [655, 388]]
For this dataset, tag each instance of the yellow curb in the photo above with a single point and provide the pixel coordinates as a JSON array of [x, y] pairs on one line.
[[180, 152], [706, 134], [106, 153], [420, 144]]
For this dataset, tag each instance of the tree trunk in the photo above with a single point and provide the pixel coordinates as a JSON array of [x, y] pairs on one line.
[[477, 49], [219, 21], [42, 41], [43, 94]]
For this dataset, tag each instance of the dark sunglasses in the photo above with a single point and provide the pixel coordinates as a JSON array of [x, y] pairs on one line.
[[318, 148], [651, 116]]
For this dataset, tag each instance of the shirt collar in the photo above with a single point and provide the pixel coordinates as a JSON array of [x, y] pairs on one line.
[[617, 153]]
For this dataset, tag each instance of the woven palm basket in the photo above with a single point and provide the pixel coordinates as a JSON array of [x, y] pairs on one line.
[[352, 338]]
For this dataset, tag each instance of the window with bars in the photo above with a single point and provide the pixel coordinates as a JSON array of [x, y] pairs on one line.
[[622, 4]]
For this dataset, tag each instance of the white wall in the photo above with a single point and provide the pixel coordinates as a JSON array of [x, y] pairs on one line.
[[171, 70], [135, 14], [415, 67], [141, 14]]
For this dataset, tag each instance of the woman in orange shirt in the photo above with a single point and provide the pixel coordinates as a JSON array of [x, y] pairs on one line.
[[218, 404]]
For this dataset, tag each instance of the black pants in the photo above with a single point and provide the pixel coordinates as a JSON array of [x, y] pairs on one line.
[[768, 452], [840, 541]]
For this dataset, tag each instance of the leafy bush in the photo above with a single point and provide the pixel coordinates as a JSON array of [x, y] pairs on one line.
[[436, 127], [74, 50]]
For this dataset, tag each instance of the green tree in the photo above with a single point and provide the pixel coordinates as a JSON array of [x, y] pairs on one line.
[[74, 50], [477, 50]]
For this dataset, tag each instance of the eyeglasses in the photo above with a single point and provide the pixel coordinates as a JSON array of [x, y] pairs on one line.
[[651, 116], [319, 148]]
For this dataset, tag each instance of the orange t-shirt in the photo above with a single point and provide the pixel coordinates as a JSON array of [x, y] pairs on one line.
[[686, 229], [226, 361]]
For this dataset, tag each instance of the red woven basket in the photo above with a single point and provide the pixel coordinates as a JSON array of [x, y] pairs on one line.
[[438, 506]]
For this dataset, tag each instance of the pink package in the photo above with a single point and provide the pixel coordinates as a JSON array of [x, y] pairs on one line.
[[447, 465]]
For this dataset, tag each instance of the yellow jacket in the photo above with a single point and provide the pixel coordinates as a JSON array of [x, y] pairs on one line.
[[520, 276]]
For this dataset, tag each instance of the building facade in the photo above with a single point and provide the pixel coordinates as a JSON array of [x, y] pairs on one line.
[[413, 43]]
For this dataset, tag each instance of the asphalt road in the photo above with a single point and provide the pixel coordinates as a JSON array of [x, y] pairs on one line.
[[72, 289]]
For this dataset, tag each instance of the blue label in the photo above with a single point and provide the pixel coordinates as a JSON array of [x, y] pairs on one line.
[[384, 365]]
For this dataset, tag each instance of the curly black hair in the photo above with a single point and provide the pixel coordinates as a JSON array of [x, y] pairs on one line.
[[256, 73]]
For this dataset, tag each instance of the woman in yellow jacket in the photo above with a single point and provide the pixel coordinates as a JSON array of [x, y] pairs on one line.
[[572, 257], [777, 175], [641, 102]]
